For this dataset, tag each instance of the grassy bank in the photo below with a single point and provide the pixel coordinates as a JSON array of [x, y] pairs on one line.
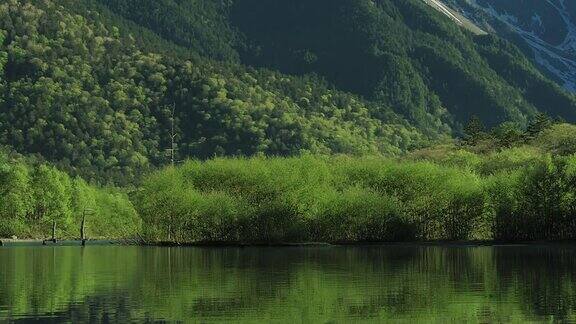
[[444, 193], [33, 195]]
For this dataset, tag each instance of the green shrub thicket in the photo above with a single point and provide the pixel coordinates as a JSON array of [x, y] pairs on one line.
[[525, 192], [34, 195]]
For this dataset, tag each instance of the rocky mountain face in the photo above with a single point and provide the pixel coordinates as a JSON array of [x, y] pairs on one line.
[[544, 29]]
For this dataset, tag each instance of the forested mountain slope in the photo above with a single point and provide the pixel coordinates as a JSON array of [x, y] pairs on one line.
[[91, 84], [400, 53], [79, 93]]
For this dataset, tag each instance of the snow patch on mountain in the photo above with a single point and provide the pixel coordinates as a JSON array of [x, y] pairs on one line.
[[558, 60], [455, 16], [444, 9]]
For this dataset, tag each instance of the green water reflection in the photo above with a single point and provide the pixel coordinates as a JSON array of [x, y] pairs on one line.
[[319, 285]]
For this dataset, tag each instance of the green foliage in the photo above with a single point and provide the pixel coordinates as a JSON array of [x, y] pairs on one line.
[[508, 134], [558, 139], [547, 96], [539, 204], [90, 87], [474, 130], [507, 160], [308, 199], [540, 123], [3, 54], [82, 94], [198, 25], [360, 214], [514, 191], [399, 53], [34, 195]]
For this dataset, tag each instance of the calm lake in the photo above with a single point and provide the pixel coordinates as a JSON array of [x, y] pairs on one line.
[[300, 284]]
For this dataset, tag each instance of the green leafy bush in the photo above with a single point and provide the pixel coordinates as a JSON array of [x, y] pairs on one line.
[[34, 195], [311, 198]]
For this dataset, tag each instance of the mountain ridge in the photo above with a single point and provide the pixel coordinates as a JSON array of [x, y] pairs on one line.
[[546, 30]]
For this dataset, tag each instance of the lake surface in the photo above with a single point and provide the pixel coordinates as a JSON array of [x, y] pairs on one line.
[[305, 284]]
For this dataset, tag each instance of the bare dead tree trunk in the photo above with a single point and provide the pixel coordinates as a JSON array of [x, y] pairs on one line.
[[54, 231], [83, 229], [172, 135]]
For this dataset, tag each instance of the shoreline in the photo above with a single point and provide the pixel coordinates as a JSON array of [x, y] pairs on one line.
[[63, 242], [364, 244], [127, 242]]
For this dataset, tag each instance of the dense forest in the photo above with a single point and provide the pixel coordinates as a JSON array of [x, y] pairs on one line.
[[78, 94], [294, 115], [398, 53]]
